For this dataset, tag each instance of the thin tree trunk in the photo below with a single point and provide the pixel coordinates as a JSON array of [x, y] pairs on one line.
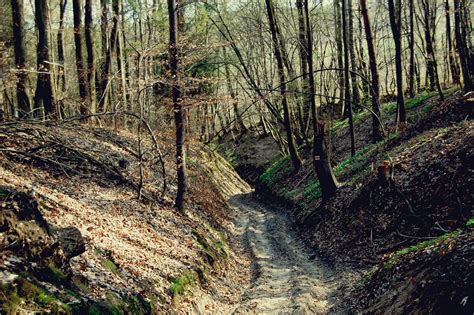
[[411, 48], [395, 24], [462, 45], [90, 55], [108, 58], [235, 103], [44, 92], [321, 153], [375, 88], [20, 62], [347, 94], [81, 69], [432, 66], [295, 159], [451, 54], [177, 105], [350, 37], [62, 69], [340, 61]]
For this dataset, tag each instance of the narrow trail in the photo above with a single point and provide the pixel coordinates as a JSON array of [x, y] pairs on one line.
[[287, 278]]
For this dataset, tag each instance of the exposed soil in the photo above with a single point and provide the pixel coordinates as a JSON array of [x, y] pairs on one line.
[[288, 279]]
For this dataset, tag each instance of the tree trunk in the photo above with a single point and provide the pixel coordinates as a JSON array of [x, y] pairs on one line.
[[395, 24], [347, 94], [90, 55], [321, 153], [44, 92], [62, 70], [462, 45], [81, 69], [108, 58], [350, 37], [303, 51], [431, 64], [177, 105], [295, 159], [340, 61], [451, 54], [235, 104], [20, 63], [375, 88], [411, 48]]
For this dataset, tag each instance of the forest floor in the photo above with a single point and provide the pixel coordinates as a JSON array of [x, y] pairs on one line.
[[373, 248], [288, 279], [411, 239]]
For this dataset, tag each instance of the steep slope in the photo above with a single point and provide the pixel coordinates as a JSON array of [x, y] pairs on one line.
[[414, 186], [136, 250]]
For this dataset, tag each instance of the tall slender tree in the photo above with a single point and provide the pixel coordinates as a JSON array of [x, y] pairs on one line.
[[44, 91], [90, 54], [465, 56], [395, 14], [295, 159], [20, 58], [177, 104], [411, 48], [431, 63], [349, 16], [347, 93], [374, 75], [321, 153], [453, 67], [62, 67], [80, 67]]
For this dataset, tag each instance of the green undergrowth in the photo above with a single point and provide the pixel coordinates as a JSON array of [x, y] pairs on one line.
[[395, 257], [391, 107], [24, 294], [470, 223], [183, 283], [274, 173]]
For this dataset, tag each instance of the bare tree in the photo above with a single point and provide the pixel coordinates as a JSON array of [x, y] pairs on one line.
[[177, 104], [81, 69], [375, 88], [295, 159], [321, 154], [395, 24], [347, 93], [20, 59], [44, 91]]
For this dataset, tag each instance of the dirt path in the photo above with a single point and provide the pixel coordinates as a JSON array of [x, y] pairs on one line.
[[287, 279]]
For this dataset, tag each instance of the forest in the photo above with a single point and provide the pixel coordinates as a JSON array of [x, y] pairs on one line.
[[236, 157]]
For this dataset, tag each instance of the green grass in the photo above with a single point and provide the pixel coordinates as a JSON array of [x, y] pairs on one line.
[[182, 283], [312, 190], [270, 176], [470, 223], [395, 257]]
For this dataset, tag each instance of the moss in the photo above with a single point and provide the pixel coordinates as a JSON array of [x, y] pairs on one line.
[[81, 285], [93, 310], [56, 273], [215, 250], [394, 258], [110, 265], [9, 299], [184, 282]]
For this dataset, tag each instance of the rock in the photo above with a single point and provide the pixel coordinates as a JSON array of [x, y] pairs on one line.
[[71, 241]]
